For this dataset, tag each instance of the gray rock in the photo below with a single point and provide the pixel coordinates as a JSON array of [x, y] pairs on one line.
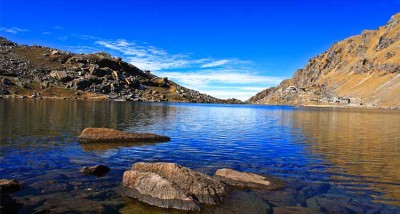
[[285, 197], [179, 185], [82, 84], [98, 170], [99, 72], [248, 180], [244, 202], [333, 203], [60, 75], [295, 210], [6, 81], [5, 92], [155, 190]]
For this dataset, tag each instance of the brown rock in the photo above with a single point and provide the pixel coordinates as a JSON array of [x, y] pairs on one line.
[[248, 180], [60, 75], [98, 170], [112, 135], [9, 186], [170, 185]]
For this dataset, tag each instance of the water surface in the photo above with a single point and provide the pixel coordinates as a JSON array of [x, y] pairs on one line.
[[350, 152]]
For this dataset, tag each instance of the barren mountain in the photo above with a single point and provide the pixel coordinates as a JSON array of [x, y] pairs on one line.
[[42, 72], [361, 71]]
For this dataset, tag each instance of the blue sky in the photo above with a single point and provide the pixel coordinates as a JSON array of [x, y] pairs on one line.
[[223, 48]]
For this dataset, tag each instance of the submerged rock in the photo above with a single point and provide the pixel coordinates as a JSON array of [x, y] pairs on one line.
[[248, 180], [7, 204], [98, 170], [333, 203], [244, 202], [112, 135], [170, 185], [9, 186], [294, 210]]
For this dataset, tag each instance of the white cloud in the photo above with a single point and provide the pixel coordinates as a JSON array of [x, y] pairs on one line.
[[13, 30], [241, 95], [147, 57], [223, 83], [222, 78], [216, 63]]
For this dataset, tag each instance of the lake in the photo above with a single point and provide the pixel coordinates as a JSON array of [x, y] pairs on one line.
[[334, 153]]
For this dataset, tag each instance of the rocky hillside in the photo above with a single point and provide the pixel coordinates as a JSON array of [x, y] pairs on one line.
[[41, 72], [362, 70]]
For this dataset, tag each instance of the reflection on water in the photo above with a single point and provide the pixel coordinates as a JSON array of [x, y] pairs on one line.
[[318, 151], [362, 143], [111, 145]]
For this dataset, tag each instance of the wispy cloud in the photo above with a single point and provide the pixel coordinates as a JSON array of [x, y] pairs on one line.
[[223, 78], [147, 57], [216, 63], [203, 78], [13, 30], [224, 83]]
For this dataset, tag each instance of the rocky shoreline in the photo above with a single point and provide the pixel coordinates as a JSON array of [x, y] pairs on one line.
[[161, 187], [168, 187]]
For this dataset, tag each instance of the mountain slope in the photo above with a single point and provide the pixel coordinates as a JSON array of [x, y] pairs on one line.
[[362, 70], [41, 72]]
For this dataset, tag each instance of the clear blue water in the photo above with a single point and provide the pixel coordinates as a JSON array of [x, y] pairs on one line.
[[319, 151]]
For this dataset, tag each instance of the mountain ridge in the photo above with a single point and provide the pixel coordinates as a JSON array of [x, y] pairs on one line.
[[43, 72], [359, 71]]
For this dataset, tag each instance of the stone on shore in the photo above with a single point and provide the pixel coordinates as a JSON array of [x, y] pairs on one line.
[[98, 170], [248, 180], [112, 135], [169, 185]]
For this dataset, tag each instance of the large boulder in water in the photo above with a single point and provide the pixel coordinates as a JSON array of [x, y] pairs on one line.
[[248, 180], [153, 189], [170, 185], [112, 135]]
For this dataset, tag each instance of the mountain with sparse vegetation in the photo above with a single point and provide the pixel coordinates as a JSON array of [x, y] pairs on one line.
[[42, 72], [360, 71]]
